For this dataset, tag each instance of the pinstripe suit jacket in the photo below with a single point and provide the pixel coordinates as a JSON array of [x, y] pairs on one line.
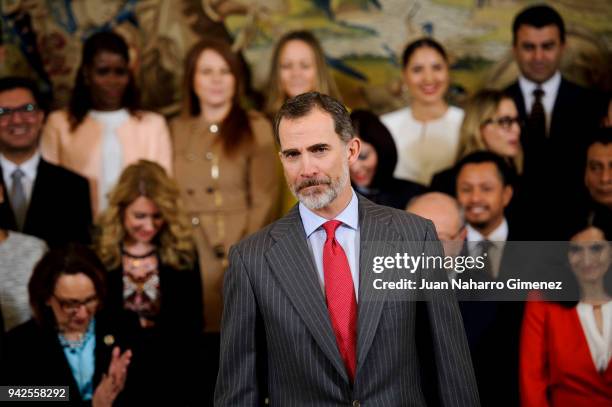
[[409, 353]]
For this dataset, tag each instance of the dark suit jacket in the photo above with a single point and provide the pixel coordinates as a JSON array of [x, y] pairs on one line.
[[34, 355], [554, 166], [273, 299], [493, 324], [59, 210], [169, 351]]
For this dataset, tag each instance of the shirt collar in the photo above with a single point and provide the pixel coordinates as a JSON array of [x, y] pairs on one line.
[[549, 87], [29, 167], [499, 234], [349, 216]]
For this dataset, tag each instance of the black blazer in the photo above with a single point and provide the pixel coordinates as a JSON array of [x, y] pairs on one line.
[[396, 193], [59, 210], [554, 166], [169, 351], [34, 355], [493, 329]]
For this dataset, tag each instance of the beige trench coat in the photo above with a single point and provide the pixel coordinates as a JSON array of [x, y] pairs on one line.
[[246, 191]]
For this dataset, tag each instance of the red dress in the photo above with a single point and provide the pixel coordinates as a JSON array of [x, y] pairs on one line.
[[556, 367]]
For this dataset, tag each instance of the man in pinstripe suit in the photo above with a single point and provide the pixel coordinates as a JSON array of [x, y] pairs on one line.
[[280, 334]]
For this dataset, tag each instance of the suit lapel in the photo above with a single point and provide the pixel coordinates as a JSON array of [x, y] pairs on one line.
[[37, 197], [375, 239], [515, 92], [7, 217], [291, 261]]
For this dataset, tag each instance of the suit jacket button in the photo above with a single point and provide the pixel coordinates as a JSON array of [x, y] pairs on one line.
[[195, 221], [356, 403], [210, 190]]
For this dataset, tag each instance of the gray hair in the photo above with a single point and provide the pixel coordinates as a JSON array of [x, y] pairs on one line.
[[303, 104]]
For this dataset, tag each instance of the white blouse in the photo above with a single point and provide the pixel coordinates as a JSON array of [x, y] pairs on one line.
[[112, 152], [600, 343], [424, 148]]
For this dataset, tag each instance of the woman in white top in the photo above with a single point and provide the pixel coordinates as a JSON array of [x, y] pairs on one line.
[[427, 132], [103, 130], [566, 346]]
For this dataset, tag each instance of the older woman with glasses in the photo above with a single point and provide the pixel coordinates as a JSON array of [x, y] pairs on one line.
[[71, 341]]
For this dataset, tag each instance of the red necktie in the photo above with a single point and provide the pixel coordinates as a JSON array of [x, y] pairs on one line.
[[340, 294]]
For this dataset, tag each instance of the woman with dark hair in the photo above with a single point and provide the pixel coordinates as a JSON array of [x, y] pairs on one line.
[[145, 241], [372, 173], [103, 130], [426, 133], [566, 345], [71, 341]]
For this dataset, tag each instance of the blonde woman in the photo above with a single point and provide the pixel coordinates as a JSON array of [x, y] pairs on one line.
[[298, 66], [491, 123], [145, 242]]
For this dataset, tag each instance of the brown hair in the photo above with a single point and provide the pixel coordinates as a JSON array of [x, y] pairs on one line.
[[325, 81], [72, 259], [235, 128]]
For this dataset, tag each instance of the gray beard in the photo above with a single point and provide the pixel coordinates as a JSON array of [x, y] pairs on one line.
[[323, 199]]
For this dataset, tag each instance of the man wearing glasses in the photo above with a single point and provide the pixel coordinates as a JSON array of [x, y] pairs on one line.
[[41, 199]]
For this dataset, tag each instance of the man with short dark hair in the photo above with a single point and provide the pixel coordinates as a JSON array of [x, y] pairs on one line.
[[45, 200], [300, 293], [484, 189], [558, 113]]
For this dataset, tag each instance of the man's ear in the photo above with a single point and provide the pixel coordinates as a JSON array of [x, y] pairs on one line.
[[508, 192], [353, 149]]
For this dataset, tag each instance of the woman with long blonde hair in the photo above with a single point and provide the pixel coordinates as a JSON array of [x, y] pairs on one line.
[[145, 242], [491, 123]]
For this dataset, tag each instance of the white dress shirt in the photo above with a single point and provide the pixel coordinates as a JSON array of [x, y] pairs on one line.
[[497, 237], [347, 236], [29, 168], [600, 343], [423, 148], [550, 88]]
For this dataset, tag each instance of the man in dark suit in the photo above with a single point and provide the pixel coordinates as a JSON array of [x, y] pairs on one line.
[[45, 200], [558, 114], [484, 190], [300, 296]]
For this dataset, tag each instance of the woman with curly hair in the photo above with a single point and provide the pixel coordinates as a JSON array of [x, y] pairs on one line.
[[103, 130], [145, 242]]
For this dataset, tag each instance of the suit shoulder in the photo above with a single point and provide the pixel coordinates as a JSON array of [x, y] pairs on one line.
[[65, 174], [260, 239], [22, 333], [407, 224]]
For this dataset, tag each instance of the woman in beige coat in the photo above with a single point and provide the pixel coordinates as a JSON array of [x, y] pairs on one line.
[[103, 131], [225, 162]]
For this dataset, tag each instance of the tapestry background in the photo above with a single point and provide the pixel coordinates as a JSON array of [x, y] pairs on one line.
[[363, 40]]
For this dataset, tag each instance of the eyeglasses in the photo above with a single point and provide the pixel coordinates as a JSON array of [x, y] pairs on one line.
[[72, 306], [505, 122], [27, 111]]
